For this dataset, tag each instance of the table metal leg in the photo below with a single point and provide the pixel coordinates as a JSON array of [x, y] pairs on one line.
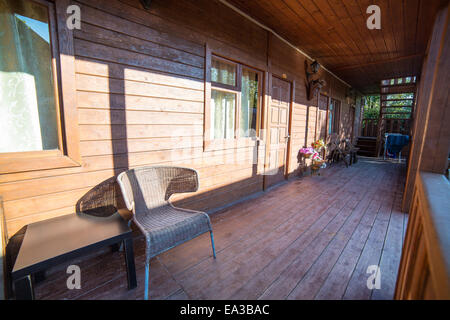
[[129, 260], [115, 247], [23, 288], [38, 276]]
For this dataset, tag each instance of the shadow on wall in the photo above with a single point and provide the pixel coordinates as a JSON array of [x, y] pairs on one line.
[[123, 92], [103, 200]]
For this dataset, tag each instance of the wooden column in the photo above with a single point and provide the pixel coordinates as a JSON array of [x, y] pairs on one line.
[[431, 136]]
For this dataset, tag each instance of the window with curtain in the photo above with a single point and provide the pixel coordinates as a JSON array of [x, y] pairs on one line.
[[28, 105], [334, 116], [223, 72], [223, 110], [249, 103], [330, 117], [234, 106]]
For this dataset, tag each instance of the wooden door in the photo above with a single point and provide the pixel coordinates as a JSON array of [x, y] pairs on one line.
[[279, 134]]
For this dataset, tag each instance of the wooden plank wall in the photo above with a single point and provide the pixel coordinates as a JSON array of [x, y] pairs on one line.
[[140, 97]]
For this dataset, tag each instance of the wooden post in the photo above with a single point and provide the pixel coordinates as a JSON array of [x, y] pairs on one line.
[[430, 145]]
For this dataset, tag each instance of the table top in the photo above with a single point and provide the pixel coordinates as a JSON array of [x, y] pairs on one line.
[[51, 240]]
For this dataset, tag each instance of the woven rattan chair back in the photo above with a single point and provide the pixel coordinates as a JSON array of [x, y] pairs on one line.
[[149, 188]]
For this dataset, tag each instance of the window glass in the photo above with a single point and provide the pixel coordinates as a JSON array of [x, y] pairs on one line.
[[27, 98], [330, 118], [337, 115], [334, 116], [249, 103], [223, 72], [223, 109]]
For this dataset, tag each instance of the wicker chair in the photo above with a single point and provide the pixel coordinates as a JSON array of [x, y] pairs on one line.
[[352, 151], [335, 152], [146, 192]]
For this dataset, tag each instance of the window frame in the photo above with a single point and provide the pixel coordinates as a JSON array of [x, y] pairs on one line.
[[63, 72], [335, 116], [214, 144]]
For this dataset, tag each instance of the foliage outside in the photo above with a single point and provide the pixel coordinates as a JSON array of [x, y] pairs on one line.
[[372, 106]]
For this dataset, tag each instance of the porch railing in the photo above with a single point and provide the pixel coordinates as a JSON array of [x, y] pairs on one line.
[[369, 128], [425, 264], [395, 126]]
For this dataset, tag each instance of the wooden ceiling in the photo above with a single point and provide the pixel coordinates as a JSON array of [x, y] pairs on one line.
[[334, 32]]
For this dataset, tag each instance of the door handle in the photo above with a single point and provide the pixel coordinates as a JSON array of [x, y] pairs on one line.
[[287, 137]]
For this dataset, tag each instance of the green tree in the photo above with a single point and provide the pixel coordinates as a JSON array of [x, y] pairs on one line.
[[372, 107]]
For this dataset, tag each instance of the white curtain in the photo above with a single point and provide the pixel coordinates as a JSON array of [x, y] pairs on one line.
[[27, 102]]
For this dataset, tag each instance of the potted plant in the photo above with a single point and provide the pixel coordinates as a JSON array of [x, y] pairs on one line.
[[307, 152], [314, 153]]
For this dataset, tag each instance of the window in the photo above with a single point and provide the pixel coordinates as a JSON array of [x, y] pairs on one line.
[[233, 110], [334, 112], [223, 110], [29, 89], [223, 72], [249, 103], [29, 112]]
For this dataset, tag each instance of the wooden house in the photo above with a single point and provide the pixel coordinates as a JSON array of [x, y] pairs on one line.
[[90, 89]]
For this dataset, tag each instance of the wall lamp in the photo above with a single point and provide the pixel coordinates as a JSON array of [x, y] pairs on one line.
[[312, 85]]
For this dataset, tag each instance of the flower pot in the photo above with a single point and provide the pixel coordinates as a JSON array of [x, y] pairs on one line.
[[318, 162]]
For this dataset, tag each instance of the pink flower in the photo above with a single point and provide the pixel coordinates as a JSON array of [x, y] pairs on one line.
[[306, 150]]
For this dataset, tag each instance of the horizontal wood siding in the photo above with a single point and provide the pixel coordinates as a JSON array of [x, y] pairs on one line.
[[140, 98]]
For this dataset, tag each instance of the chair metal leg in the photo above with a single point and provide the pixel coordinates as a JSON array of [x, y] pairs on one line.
[[212, 244], [147, 264]]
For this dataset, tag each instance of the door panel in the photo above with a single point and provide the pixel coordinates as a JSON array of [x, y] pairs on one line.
[[279, 131]]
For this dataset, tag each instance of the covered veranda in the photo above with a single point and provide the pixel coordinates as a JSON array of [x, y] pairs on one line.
[[310, 238]]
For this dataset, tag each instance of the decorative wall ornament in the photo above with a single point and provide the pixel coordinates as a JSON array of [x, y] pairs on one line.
[[146, 4], [350, 95], [313, 85]]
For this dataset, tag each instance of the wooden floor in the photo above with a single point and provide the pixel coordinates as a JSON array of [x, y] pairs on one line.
[[311, 238]]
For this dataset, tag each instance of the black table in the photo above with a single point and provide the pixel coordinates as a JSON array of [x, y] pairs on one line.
[[54, 241]]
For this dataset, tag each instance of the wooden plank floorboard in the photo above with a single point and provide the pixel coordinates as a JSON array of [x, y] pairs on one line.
[[357, 286], [309, 238], [255, 287], [263, 217], [238, 225], [390, 257], [246, 263], [338, 278], [334, 285], [289, 279]]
